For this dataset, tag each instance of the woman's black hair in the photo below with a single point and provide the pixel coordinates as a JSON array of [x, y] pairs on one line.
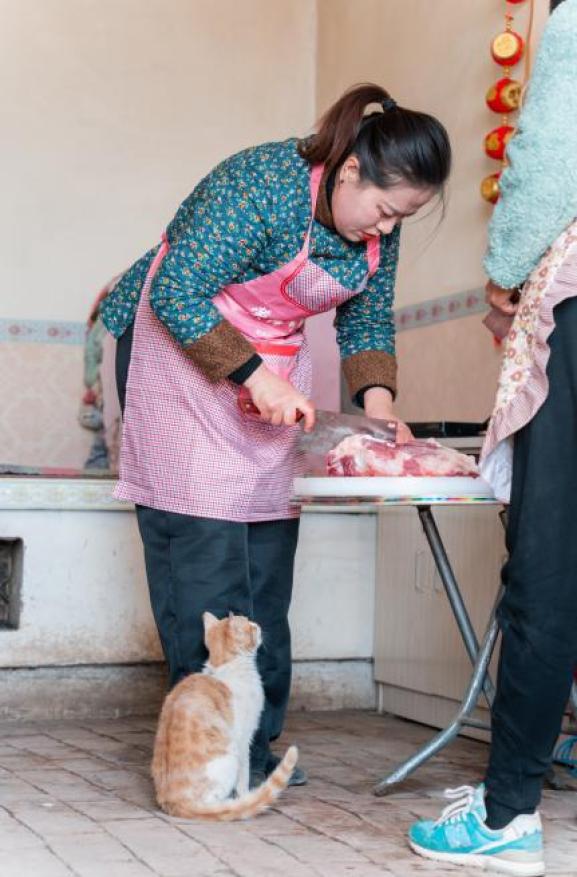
[[391, 145], [553, 4]]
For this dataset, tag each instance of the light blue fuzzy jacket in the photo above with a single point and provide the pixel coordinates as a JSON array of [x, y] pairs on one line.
[[539, 188]]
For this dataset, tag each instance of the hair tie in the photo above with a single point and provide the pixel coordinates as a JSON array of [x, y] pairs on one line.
[[388, 103]]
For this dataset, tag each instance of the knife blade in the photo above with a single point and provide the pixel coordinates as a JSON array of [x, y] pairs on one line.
[[331, 427]]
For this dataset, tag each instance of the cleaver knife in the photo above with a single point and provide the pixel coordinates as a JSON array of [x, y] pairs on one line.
[[331, 427]]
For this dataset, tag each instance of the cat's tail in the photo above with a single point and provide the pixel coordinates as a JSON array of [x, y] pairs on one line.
[[249, 805]]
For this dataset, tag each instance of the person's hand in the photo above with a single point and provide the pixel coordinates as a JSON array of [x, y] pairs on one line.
[[278, 402], [379, 404], [504, 300], [404, 434]]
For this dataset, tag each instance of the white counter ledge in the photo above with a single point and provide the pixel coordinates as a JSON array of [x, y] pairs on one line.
[[30, 493]]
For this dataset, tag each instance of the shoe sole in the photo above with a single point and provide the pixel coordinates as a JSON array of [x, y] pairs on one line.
[[302, 782], [527, 868]]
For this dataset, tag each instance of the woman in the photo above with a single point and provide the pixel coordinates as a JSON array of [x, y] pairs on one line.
[[533, 244], [220, 370]]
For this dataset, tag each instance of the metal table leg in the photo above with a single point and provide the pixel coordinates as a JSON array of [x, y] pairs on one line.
[[461, 718], [453, 593], [480, 657]]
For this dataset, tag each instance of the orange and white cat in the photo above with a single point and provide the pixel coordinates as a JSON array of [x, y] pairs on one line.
[[207, 722]]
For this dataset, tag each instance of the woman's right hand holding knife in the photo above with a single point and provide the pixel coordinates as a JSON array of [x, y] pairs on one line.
[[278, 402]]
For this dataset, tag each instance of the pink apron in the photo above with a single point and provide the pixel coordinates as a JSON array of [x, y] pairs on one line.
[[523, 382], [197, 448]]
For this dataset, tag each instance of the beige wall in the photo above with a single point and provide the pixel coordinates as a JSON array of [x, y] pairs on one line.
[[448, 370], [432, 55], [113, 110]]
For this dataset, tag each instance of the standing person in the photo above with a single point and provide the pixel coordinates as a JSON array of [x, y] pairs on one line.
[[533, 238], [211, 324]]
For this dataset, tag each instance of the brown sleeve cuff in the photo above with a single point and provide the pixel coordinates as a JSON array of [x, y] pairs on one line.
[[370, 368], [220, 352]]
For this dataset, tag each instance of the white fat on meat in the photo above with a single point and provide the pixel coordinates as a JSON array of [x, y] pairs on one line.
[[363, 455]]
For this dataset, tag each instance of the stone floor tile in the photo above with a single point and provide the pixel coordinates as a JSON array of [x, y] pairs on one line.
[[97, 855], [16, 836], [63, 785], [35, 863], [53, 818], [164, 847], [14, 789], [119, 779], [250, 856], [111, 808]]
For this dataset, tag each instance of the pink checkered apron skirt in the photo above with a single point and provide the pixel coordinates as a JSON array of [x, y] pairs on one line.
[[193, 447]]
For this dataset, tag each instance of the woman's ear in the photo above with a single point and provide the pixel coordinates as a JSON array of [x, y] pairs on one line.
[[350, 170]]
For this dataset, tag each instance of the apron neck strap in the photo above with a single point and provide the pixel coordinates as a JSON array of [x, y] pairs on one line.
[[317, 172], [315, 178], [373, 254]]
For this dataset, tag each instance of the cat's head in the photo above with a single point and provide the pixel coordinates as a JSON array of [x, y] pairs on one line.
[[230, 637]]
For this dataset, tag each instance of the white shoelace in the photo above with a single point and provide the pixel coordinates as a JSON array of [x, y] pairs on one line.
[[463, 798]]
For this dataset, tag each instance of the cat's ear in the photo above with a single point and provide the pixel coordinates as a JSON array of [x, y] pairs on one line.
[[209, 620]]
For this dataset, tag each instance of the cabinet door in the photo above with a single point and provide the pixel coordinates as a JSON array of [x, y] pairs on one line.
[[418, 647]]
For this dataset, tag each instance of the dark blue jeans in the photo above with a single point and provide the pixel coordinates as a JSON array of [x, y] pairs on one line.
[[195, 565], [538, 613]]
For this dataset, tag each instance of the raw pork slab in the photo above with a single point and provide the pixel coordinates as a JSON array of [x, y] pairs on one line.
[[363, 455]]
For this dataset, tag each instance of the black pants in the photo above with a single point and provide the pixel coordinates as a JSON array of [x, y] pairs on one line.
[[196, 564], [538, 613]]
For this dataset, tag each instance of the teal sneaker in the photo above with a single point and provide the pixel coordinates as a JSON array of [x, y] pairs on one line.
[[461, 836]]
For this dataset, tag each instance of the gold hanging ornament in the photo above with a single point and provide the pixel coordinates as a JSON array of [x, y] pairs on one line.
[[504, 97]]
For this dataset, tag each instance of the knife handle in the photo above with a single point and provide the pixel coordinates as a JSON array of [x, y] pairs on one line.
[[248, 407]]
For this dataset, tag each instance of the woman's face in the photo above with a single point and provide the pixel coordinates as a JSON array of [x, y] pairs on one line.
[[362, 210]]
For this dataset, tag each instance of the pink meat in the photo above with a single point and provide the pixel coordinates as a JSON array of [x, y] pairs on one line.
[[364, 455]]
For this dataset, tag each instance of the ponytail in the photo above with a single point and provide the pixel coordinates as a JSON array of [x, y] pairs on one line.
[[391, 144], [339, 128]]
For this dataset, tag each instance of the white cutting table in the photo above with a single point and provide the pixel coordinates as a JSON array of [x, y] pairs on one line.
[[368, 494]]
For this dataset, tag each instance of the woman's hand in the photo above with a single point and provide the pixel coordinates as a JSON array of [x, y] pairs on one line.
[[278, 402], [379, 404], [504, 300]]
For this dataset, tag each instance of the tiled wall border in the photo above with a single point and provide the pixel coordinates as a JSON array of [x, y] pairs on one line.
[[439, 310], [436, 310], [73, 494], [42, 331]]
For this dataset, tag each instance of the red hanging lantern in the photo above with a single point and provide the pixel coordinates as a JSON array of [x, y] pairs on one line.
[[504, 96], [496, 141], [490, 188], [507, 48]]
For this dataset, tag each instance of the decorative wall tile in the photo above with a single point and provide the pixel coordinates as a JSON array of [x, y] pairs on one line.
[[72, 494], [439, 310], [41, 386], [42, 331]]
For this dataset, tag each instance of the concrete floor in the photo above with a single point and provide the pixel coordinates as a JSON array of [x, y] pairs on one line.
[[76, 799]]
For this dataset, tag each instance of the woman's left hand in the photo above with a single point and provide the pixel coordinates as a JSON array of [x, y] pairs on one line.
[[404, 434], [504, 300], [379, 404]]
